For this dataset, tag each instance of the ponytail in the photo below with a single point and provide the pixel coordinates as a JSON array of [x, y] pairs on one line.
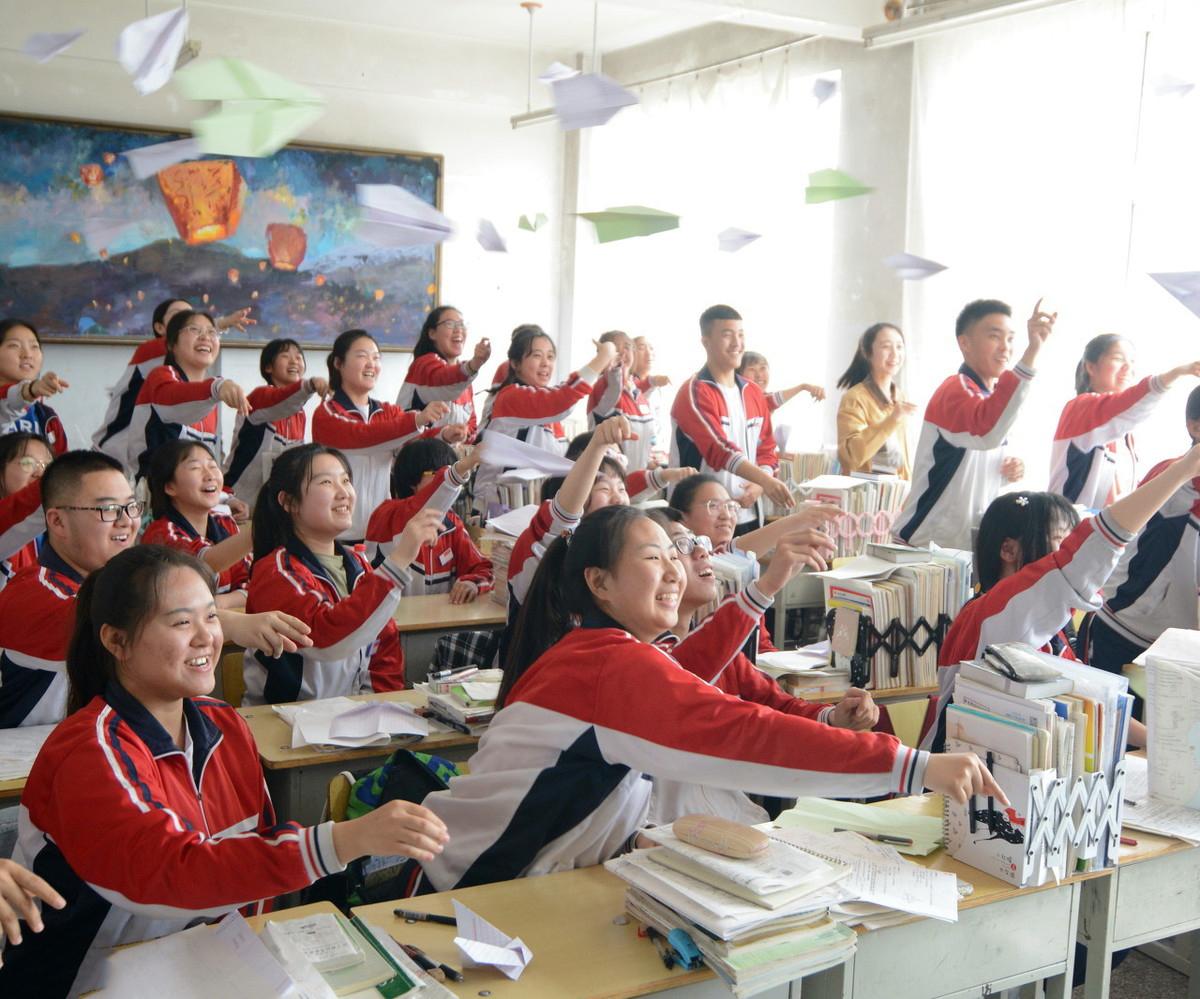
[[1096, 348], [271, 524]]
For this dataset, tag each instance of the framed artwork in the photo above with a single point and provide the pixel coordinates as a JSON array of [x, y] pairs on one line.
[[87, 250]]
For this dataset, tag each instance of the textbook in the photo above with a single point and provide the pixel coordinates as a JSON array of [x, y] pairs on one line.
[[983, 673], [346, 958]]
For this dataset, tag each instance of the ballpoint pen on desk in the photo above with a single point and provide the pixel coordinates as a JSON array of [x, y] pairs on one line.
[[425, 917], [427, 965], [881, 837]]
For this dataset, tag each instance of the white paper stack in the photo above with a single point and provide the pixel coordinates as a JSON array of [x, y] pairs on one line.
[[340, 721]]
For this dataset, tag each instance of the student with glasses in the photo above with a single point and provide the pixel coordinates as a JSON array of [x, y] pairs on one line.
[[91, 515], [23, 459], [438, 373]]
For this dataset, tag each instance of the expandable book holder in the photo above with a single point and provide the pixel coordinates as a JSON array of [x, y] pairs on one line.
[[893, 640]]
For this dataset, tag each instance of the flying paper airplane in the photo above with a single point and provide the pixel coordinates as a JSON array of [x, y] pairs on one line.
[[148, 49], [532, 224], [832, 185], [911, 267], [731, 240], [260, 111], [1184, 286], [146, 161], [557, 71], [391, 216], [44, 46], [589, 99], [1168, 85], [824, 89], [489, 238], [629, 221]]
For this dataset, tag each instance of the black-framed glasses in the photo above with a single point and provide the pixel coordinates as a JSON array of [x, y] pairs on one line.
[[110, 513], [686, 544]]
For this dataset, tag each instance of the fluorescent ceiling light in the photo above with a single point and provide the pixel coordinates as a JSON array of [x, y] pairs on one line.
[[916, 26]]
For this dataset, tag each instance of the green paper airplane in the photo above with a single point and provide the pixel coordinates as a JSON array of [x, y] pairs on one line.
[[260, 111], [832, 185], [629, 221], [534, 224]]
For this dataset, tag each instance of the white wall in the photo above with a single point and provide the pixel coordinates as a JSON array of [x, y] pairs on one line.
[[386, 90]]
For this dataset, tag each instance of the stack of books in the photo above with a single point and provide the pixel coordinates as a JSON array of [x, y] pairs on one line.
[[870, 504], [804, 671], [501, 534], [805, 465], [465, 704], [519, 487]]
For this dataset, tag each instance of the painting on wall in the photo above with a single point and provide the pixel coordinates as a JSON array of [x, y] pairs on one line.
[[87, 249]]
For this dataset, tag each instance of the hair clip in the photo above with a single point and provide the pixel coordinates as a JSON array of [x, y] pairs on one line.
[[1022, 501]]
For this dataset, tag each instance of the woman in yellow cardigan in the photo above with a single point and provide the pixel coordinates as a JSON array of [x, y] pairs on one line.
[[871, 415]]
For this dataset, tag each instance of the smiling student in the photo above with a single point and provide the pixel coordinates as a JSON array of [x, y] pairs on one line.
[[437, 373], [618, 392], [23, 386], [23, 459]]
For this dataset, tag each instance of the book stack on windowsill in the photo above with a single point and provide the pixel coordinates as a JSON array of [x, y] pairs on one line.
[[465, 704]]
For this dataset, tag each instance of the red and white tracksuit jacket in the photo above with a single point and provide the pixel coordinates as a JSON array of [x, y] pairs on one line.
[[611, 397], [169, 407], [1035, 604], [174, 531], [557, 780], [149, 839], [369, 444], [701, 427], [276, 422], [356, 648], [431, 378], [21, 522], [453, 554], [498, 377], [1155, 584], [20, 417], [956, 472], [1093, 461], [532, 415], [37, 617], [112, 436]]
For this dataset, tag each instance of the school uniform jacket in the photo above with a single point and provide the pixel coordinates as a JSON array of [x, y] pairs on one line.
[[368, 443], [143, 844], [1094, 434], [37, 617], [112, 436], [611, 397], [21, 519], [700, 429], [498, 378], [453, 554], [530, 414], [31, 418], [276, 422], [956, 473], [175, 531], [356, 648], [170, 407], [1155, 584], [557, 780], [23, 559], [431, 378], [1034, 604]]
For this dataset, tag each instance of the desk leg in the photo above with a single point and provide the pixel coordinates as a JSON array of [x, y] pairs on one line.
[[1192, 949], [1098, 914], [1059, 986], [832, 983]]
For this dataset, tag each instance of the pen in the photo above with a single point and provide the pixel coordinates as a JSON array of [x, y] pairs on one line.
[[663, 948], [425, 917], [423, 962], [881, 837], [1127, 841]]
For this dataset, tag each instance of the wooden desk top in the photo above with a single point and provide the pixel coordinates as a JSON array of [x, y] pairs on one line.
[[434, 612], [567, 921], [11, 789], [273, 736]]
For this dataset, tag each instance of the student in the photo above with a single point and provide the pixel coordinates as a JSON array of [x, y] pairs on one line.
[[20, 891], [437, 374], [366, 431], [276, 420], [112, 435], [168, 821], [526, 407], [23, 386], [617, 392], [871, 416], [23, 459], [756, 368], [587, 711], [185, 486], [1093, 459], [176, 400], [721, 424], [301, 568], [960, 464], [427, 474], [90, 516], [1154, 586]]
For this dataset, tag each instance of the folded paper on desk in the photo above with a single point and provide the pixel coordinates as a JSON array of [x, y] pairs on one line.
[[824, 816], [19, 748], [481, 943], [339, 721], [797, 661]]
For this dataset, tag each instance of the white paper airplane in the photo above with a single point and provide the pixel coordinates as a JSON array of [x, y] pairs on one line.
[[489, 238], [557, 71], [148, 49], [1172, 86], [589, 99], [731, 240], [45, 45], [1184, 286], [146, 161], [824, 89], [911, 267], [391, 216], [481, 943]]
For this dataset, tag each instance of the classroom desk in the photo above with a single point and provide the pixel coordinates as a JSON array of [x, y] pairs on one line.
[[1154, 892], [10, 790], [422, 620], [299, 778]]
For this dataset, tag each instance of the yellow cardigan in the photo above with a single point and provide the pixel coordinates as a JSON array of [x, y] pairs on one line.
[[863, 426]]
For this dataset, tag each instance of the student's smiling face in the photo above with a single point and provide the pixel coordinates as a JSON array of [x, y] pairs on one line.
[[537, 366], [360, 370], [643, 588], [326, 507], [20, 355], [80, 536], [288, 366], [702, 587], [1114, 372], [725, 343], [608, 490], [197, 347], [25, 467], [450, 334], [197, 482], [712, 513], [987, 346]]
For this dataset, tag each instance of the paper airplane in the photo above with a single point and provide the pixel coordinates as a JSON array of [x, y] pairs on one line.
[[589, 99], [532, 224], [1184, 286], [911, 267], [832, 185], [260, 111], [391, 216], [146, 161], [557, 71], [824, 89], [44, 46], [629, 221], [147, 49], [731, 240], [489, 238], [1172, 86], [510, 452], [480, 943]]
